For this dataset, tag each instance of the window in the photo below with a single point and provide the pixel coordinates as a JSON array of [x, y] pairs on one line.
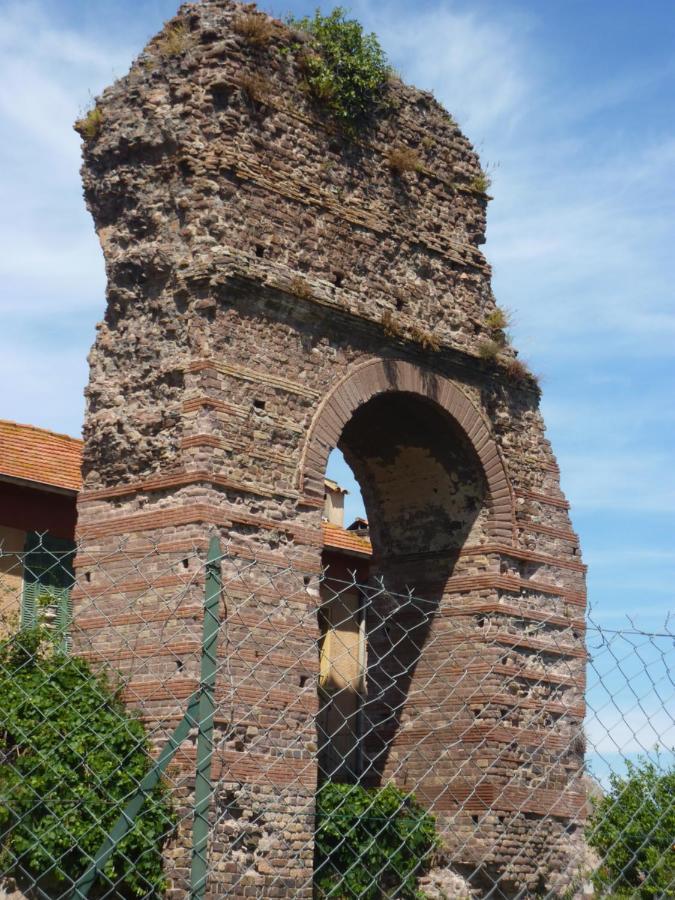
[[47, 582]]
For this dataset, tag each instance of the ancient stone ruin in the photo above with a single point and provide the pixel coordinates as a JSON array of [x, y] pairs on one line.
[[276, 290]]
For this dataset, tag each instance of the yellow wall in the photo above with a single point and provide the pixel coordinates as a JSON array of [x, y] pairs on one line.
[[12, 542]]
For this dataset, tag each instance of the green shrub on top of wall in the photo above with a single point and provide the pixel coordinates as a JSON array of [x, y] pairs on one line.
[[346, 69]]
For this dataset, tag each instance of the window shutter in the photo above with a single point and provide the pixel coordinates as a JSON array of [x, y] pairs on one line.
[[48, 578], [29, 605], [62, 620]]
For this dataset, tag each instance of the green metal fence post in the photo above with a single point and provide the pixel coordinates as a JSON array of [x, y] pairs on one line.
[[203, 787], [199, 714], [84, 884]]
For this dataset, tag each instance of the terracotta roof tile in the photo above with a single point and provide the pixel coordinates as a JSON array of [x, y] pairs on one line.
[[44, 457], [336, 538]]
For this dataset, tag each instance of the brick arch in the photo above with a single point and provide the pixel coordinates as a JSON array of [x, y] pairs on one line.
[[375, 377]]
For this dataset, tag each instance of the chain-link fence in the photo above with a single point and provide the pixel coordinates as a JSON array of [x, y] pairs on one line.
[[183, 720]]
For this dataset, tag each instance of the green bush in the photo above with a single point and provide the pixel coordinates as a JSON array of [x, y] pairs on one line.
[[346, 69], [633, 828], [71, 757], [371, 843]]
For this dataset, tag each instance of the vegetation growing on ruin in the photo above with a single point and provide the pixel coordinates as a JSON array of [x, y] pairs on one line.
[[255, 28], [632, 828], [174, 40], [300, 288], [489, 350], [480, 184], [426, 339], [89, 126], [403, 159], [371, 843], [516, 370], [497, 321], [255, 88], [391, 326], [72, 756], [346, 70]]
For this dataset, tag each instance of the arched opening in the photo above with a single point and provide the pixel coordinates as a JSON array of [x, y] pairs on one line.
[[387, 638]]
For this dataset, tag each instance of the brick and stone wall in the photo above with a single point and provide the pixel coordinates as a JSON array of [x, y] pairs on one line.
[[271, 293]]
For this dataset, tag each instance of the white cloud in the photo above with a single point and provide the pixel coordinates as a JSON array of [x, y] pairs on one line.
[[629, 725], [47, 376], [473, 63], [51, 269], [622, 482]]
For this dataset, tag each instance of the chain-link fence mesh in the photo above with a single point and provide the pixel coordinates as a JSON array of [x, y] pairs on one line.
[[174, 725]]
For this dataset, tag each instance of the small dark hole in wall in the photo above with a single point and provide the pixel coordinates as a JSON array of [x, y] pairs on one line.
[[259, 251], [259, 404], [306, 580], [185, 168], [503, 568], [302, 681], [232, 808], [338, 278], [220, 95], [87, 576], [399, 304], [475, 819], [180, 665], [481, 621], [575, 634], [186, 563]]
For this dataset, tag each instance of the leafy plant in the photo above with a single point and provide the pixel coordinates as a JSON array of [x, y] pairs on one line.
[[89, 126], [632, 828], [345, 69], [371, 842], [72, 755]]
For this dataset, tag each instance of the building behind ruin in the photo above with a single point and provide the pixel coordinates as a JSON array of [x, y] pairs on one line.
[[275, 291]]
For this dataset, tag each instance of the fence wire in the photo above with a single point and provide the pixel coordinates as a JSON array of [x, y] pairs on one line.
[[348, 741]]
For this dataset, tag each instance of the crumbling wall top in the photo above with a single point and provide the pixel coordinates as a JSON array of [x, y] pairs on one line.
[[210, 159]]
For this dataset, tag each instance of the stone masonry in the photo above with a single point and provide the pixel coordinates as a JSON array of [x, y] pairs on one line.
[[275, 291]]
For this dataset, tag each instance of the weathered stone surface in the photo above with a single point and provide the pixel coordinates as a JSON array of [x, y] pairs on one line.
[[271, 289]]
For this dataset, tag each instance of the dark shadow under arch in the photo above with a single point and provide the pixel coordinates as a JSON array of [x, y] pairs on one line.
[[428, 495]]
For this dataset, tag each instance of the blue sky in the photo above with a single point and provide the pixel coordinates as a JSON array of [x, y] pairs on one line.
[[572, 107]]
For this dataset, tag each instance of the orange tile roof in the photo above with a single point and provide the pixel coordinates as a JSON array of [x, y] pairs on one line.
[[336, 538], [44, 457]]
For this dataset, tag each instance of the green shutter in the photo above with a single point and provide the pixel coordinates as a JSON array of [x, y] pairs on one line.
[[29, 605], [48, 572], [62, 621]]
